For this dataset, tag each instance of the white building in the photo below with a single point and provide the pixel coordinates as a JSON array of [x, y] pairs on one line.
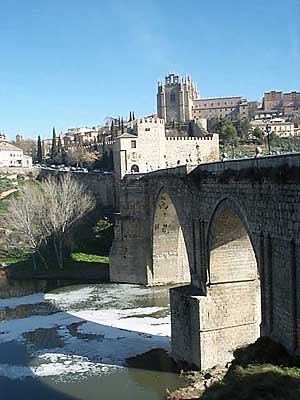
[[279, 126], [12, 156], [3, 137], [148, 148]]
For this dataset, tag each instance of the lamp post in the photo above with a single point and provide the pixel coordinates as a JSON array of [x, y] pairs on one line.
[[267, 132], [198, 155]]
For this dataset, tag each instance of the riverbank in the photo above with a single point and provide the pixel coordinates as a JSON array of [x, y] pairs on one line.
[[80, 267], [263, 370]]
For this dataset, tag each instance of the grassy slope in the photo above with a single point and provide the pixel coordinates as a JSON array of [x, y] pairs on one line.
[[257, 382], [89, 258], [261, 371]]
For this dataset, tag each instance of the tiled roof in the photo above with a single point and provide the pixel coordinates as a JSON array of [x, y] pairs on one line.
[[9, 147]]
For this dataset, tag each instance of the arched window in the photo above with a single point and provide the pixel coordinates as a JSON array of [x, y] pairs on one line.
[[135, 168]]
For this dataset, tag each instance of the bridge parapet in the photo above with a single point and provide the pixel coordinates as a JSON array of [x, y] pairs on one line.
[[259, 163]]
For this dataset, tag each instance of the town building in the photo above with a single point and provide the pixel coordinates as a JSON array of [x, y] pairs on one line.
[[178, 100], [78, 137], [46, 147], [3, 137], [233, 108], [84, 136], [12, 156], [279, 126], [145, 148], [288, 104]]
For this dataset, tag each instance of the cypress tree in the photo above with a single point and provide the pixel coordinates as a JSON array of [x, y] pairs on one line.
[[133, 117], [119, 121], [39, 155], [112, 130], [59, 146], [54, 145], [122, 125], [130, 117], [190, 129]]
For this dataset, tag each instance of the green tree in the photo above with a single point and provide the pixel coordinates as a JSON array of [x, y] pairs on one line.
[[215, 125], [133, 117], [122, 125], [54, 144], [259, 137], [59, 145], [112, 130], [130, 117], [228, 133], [39, 155], [190, 129], [243, 128]]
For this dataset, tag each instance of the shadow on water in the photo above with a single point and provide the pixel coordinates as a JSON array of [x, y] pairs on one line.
[[44, 339]]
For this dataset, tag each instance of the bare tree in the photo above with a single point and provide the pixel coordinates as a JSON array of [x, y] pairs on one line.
[[24, 224], [68, 201], [46, 214], [80, 156]]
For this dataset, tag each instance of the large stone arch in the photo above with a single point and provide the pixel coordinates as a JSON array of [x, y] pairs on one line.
[[232, 229], [231, 312], [170, 261]]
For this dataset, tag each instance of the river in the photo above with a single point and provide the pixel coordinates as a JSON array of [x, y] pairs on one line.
[[74, 342]]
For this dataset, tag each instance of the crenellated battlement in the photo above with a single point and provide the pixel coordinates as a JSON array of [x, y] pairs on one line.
[[191, 139], [151, 120]]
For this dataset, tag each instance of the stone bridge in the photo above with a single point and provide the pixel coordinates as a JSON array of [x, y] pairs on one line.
[[230, 230]]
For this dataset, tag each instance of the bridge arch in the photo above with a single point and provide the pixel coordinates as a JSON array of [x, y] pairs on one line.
[[170, 262], [233, 303], [232, 252]]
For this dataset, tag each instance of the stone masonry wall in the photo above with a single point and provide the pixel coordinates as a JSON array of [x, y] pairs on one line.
[[102, 186]]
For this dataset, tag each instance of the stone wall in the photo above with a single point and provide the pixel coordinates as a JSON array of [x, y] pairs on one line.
[[102, 186], [183, 150], [30, 171], [240, 221]]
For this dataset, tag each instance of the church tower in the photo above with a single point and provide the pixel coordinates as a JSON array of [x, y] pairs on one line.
[[175, 98]]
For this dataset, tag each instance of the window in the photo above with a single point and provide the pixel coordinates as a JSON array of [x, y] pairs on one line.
[[147, 129], [133, 144], [172, 98], [135, 168]]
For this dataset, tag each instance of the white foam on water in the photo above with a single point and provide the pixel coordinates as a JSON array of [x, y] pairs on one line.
[[101, 340], [14, 302], [57, 365]]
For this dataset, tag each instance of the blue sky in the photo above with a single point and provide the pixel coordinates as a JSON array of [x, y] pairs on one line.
[[73, 62]]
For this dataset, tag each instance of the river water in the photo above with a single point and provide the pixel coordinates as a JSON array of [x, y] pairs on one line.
[[74, 342]]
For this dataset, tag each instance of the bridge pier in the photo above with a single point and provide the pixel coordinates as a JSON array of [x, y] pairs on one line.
[[202, 334]]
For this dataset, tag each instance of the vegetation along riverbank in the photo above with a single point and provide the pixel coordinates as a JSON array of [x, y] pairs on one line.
[[53, 230], [260, 371]]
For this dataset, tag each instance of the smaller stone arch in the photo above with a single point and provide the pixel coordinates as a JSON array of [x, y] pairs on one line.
[[170, 262], [231, 311], [231, 251]]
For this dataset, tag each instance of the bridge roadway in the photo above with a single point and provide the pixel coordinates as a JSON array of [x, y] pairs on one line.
[[229, 231]]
